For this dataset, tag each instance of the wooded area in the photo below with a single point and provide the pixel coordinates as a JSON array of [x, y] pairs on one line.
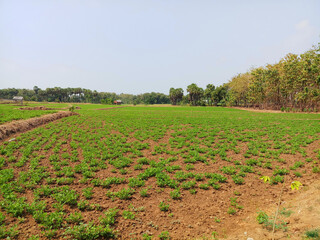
[[292, 84], [82, 95]]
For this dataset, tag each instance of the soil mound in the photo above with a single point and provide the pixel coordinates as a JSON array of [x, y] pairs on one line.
[[8, 129], [36, 108]]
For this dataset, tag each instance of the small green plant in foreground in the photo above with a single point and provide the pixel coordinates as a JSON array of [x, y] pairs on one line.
[[175, 194], [268, 222], [164, 235], [128, 215], [144, 192], [164, 207], [87, 192], [313, 234], [231, 211], [90, 231], [262, 217], [146, 236]]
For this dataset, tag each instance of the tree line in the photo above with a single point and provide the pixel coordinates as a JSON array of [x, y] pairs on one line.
[[293, 83], [82, 95]]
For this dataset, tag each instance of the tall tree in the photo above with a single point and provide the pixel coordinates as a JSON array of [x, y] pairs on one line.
[[175, 95], [195, 94], [209, 94]]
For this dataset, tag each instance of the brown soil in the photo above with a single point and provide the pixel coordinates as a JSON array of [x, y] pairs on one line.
[[305, 215], [8, 129], [36, 108], [44, 108]]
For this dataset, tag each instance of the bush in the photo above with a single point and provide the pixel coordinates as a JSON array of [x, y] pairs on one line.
[[238, 180], [67, 196], [75, 217], [87, 192], [164, 235], [109, 217], [313, 234], [262, 217], [144, 192], [164, 207], [128, 215], [175, 194], [231, 211], [90, 232]]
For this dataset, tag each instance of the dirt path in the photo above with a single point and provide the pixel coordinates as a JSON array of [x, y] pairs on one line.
[[301, 213], [8, 129]]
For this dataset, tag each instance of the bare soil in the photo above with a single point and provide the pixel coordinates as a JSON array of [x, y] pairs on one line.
[[305, 215]]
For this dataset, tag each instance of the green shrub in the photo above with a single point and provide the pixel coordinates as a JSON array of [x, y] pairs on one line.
[[238, 180], [2, 218], [144, 192], [8, 233], [75, 217], [123, 194], [136, 182], [313, 234], [89, 231], [87, 192], [175, 194], [188, 185], [164, 207], [109, 217], [164, 235], [83, 205], [66, 195], [276, 179], [262, 217], [231, 211], [128, 215]]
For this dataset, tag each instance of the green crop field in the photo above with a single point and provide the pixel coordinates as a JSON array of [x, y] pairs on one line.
[[10, 112], [149, 172]]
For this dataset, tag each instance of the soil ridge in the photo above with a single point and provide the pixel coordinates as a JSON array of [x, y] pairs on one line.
[[8, 129]]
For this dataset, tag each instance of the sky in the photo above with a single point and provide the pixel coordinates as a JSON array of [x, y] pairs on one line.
[[147, 45]]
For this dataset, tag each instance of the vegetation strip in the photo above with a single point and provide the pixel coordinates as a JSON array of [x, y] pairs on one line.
[[6, 130], [109, 108]]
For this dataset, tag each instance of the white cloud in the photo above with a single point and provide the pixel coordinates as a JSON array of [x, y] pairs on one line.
[[303, 37], [302, 25]]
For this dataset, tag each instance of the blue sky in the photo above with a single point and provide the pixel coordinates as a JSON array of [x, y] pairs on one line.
[[147, 45]]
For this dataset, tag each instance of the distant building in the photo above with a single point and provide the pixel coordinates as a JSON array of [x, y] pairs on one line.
[[117, 102], [18, 99]]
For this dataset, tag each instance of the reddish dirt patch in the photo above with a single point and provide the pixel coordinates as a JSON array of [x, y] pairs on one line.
[[303, 206], [6, 130]]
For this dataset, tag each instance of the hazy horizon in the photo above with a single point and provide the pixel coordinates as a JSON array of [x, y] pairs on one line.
[[147, 46]]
